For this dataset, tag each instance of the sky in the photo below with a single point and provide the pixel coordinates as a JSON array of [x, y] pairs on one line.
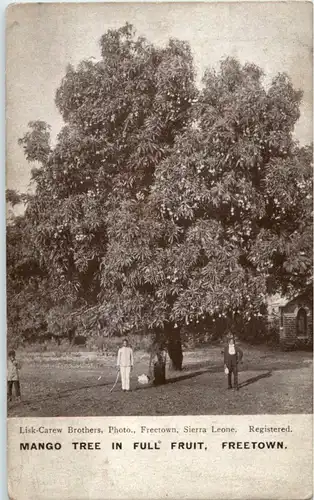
[[42, 39]]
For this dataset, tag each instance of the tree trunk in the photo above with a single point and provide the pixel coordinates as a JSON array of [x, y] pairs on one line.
[[175, 348], [71, 335]]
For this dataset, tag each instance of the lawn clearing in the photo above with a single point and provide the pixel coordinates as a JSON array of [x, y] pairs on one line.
[[271, 382]]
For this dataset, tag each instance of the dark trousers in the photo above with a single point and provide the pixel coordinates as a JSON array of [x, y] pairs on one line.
[[17, 388], [233, 369]]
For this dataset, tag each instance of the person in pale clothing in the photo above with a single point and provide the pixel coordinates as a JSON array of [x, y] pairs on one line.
[[125, 364], [13, 378]]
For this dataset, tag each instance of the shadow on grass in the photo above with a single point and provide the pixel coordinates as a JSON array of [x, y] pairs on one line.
[[255, 379], [216, 369], [179, 378], [213, 369]]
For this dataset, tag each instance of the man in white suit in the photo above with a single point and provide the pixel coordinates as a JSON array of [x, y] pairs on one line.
[[125, 364]]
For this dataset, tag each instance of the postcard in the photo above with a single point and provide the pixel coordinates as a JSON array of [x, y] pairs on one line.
[[159, 250]]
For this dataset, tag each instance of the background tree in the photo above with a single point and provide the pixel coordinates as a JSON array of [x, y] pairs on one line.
[[27, 286]]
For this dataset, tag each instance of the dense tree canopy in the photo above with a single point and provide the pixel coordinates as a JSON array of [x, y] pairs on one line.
[[228, 217], [164, 205]]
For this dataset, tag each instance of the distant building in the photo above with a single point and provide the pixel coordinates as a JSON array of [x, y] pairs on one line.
[[296, 321], [274, 303]]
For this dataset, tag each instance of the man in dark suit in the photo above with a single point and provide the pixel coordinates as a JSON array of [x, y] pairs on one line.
[[232, 357]]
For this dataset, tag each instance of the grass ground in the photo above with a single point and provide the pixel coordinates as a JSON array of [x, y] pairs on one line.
[[271, 382]]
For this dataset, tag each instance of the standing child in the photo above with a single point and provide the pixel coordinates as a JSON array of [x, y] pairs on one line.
[[13, 378], [232, 357], [125, 364]]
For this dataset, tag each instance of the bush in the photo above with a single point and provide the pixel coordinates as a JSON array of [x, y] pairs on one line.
[[297, 345], [303, 344]]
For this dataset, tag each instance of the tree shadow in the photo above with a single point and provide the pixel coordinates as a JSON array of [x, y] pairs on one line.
[[213, 369], [179, 378], [251, 380]]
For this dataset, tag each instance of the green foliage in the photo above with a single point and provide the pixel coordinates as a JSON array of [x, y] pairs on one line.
[[162, 205], [27, 285], [36, 143], [13, 197], [228, 216]]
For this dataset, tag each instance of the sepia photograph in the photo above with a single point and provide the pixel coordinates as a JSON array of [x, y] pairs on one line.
[[159, 209]]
